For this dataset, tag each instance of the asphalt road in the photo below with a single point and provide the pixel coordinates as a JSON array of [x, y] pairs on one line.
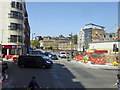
[[63, 74]]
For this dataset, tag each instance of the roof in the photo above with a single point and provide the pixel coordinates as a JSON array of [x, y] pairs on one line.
[[94, 25]]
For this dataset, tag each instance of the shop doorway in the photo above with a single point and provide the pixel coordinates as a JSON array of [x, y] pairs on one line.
[[4, 51]]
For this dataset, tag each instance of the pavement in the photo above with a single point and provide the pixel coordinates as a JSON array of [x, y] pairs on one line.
[[107, 66]]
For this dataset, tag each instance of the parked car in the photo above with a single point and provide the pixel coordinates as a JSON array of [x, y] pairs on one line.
[[34, 61], [54, 57], [50, 55], [62, 55], [47, 53]]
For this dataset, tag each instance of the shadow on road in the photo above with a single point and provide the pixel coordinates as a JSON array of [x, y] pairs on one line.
[[57, 77]]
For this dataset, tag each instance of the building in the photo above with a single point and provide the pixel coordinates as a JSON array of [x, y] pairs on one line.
[[107, 37], [27, 33], [90, 33], [118, 34], [54, 41], [81, 40], [14, 27], [66, 46], [103, 47]]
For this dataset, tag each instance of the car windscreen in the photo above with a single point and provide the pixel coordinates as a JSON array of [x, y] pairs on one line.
[[54, 55], [63, 53], [44, 57]]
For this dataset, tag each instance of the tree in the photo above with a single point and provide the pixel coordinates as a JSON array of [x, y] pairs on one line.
[[74, 39], [35, 43]]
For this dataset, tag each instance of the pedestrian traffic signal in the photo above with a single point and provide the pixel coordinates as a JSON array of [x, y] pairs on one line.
[[115, 49], [83, 48]]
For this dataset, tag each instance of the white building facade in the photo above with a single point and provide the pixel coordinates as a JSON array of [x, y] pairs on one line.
[[81, 39], [108, 46], [12, 27]]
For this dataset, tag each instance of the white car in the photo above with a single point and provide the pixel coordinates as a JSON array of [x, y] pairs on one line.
[[62, 55]]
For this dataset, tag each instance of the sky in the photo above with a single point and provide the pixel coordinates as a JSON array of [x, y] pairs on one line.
[[63, 18]]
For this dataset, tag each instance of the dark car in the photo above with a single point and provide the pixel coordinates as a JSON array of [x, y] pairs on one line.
[[50, 55], [47, 53], [54, 57], [34, 61]]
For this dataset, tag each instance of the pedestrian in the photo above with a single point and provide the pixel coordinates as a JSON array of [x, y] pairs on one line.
[[32, 84], [118, 82]]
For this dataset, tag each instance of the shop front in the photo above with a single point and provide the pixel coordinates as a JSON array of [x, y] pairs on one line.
[[11, 49]]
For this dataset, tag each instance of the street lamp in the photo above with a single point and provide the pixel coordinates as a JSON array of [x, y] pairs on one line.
[[32, 41], [115, 39], [17, 41], [71, 46]]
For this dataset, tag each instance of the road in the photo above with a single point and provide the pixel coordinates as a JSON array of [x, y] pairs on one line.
[[63, 74]]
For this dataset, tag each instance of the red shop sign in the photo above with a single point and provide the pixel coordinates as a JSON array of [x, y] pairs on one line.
[[11, 46]]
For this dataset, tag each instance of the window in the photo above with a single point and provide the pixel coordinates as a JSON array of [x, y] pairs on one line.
[[14, 14], [18, 26], [14, 26], [110, 36], [20, 39], [13, 4], [17, 5], [13, 38], [20, 6]]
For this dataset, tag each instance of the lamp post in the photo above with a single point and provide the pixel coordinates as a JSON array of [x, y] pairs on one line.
[[71, 46], [17, 41], [32, 41], [115, 41], [81, 39]]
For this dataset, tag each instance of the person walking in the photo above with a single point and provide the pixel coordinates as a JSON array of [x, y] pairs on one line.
[[118, 82], [32, 84]]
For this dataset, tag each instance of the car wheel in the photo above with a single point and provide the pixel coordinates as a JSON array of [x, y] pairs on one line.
[[43, 66]]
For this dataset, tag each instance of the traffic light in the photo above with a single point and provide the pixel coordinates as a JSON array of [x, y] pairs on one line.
[[115, 49], [83, 48]]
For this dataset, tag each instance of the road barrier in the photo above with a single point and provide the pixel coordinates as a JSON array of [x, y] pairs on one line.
[[11, 56], [93, 60], [97, 61]]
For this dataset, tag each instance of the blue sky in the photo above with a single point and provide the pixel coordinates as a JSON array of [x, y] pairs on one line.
[[62, 18]]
